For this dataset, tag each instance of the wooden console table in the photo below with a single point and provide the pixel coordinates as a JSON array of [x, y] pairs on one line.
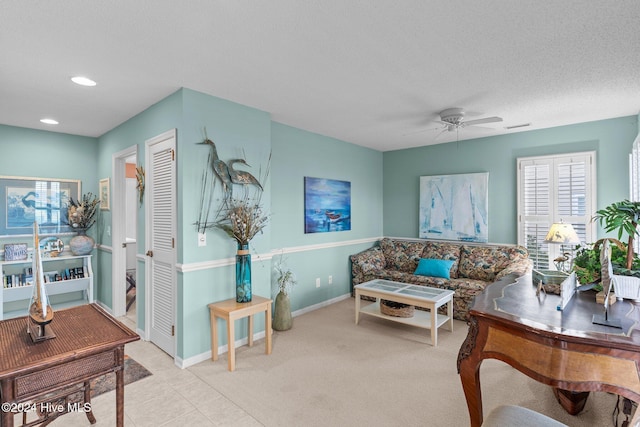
[[42, 376], [230, 310], [563, 349]]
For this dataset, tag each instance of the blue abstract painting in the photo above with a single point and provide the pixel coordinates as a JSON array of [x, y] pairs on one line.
[[454, 207], [327, 205]]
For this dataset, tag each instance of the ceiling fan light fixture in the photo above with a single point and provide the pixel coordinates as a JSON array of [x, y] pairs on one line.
[[453, 116]]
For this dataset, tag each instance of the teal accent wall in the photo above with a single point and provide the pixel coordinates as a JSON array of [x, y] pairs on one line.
[[611, 139], [238, 132], [296, 154], [36, 153], [41, 154], [159, 118]]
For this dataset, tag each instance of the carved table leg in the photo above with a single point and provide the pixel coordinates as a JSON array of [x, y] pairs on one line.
[[469, 369]]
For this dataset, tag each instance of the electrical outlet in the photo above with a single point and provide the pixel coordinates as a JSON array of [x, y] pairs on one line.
[[330, 281], [108, 230], [202, 239], [318, 282]]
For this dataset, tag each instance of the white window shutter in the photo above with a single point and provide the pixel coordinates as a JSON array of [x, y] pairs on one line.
[[551, 189]]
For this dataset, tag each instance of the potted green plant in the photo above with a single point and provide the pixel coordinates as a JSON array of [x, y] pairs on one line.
[[285, 278], [586, 262], [624, 217]]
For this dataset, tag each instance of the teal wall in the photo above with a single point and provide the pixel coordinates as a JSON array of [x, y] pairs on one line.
[[296, 154], [611, 139], [41, 154], [159, 118], [36, 153], [238, 132]]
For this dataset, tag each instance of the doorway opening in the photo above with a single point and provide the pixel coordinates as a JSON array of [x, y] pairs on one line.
[[131, 232]]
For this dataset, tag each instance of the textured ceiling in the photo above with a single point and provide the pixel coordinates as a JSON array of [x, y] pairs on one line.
[[374, 73]]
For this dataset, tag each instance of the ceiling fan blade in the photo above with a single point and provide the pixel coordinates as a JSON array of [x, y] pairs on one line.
[[440, 134], [482, 121], [422, 131]]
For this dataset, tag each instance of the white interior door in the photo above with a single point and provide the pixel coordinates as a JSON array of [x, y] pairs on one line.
[[160, 240]]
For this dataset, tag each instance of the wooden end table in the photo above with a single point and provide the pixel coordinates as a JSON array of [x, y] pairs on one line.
[[230, 310], [89, 343]]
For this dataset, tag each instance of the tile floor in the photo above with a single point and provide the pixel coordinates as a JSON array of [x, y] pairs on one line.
[[170, 397]]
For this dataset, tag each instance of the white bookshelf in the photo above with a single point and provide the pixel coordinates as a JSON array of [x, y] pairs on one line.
[[12, 297]]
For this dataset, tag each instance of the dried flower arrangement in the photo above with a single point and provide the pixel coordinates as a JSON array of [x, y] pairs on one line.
[[81, 213], [241, 219]]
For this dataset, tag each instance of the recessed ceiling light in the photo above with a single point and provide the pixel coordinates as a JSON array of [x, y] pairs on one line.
[[83, 81], [49, 121]]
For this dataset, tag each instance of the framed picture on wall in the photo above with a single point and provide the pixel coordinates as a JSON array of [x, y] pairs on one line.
[[24, 200], [327, 205], [454, 207], [104, 194]]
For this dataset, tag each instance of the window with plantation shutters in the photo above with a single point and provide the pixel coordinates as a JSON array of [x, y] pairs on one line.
[[553, 189]]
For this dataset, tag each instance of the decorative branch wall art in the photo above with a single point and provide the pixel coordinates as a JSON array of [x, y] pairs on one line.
[[454, 207], [327, 205]]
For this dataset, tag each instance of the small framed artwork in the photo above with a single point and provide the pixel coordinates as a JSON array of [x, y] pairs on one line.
[[104, 194], [15, 251]]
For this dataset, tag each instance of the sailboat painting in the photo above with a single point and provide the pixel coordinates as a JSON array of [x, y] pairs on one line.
[[454, 207], [327, 205]]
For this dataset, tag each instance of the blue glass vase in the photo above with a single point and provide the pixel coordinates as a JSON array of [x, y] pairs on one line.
[[243, 273]]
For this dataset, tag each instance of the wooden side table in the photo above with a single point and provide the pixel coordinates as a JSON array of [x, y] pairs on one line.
[[230, 310], [89, 343]]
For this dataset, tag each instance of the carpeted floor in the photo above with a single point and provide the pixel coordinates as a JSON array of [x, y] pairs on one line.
[[133, 371], [326, 371]]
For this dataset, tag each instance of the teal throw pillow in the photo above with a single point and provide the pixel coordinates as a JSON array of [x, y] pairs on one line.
[[434, 267]]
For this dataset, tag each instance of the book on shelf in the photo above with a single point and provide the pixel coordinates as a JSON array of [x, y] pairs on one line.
[[26, 277], [15, 280]]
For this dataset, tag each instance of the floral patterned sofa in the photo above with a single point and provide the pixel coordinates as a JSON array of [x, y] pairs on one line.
[[474, 266]]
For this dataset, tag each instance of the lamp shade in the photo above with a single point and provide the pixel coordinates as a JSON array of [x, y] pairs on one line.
[[562, 234]]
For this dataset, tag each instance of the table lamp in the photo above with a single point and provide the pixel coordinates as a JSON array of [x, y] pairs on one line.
[[562, 234]]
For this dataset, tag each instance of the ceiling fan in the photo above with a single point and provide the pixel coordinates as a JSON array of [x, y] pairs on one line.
[[453, 119]]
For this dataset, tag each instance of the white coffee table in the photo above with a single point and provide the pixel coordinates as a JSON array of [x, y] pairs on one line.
[[419, 296]]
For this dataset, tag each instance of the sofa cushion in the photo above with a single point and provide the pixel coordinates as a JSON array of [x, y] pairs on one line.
[[401, 255], [440, 250], [412, 279], [485, 262], [434, 267]]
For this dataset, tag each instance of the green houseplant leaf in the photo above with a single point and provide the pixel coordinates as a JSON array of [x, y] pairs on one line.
[[624, 217]]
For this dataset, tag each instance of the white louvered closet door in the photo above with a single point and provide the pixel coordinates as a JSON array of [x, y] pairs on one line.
[[161, 232]]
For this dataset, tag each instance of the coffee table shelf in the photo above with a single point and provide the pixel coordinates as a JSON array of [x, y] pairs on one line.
[[420, 319]]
